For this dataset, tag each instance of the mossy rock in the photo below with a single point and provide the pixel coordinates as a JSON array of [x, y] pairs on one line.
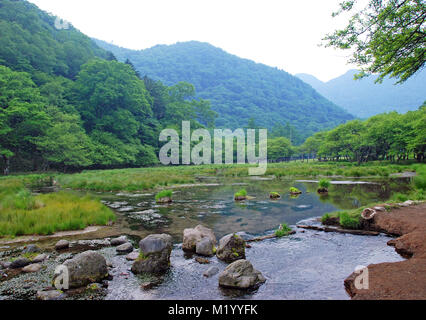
[[274, 195]]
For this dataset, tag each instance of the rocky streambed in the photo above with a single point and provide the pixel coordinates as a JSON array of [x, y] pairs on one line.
[[309, 264]]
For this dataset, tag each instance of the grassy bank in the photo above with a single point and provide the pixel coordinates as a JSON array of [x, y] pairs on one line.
[[22, 213], [149, 178], [350, 219]]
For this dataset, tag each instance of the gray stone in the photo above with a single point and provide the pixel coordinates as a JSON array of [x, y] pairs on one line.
[[210, 272], [132, 256], [124, 248], [85, 268], [40, 258], [62, 244], [231, 248], [154, 254], [119, 241], [50, 295], [19, 263], [241, 275], [155, 243], [205, 247], [192, 236], [35, 267], [31, 248], [409, 202], [5, 264]]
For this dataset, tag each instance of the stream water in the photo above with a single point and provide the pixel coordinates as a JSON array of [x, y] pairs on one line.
[[307, 265]]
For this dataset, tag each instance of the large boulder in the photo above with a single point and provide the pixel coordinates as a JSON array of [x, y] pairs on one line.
[[86, 267], [154, 256], [231, 248], [241, 275], [192, 236]]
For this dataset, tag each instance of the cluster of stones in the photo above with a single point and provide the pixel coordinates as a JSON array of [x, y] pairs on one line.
[[239, 274], [89, 268]]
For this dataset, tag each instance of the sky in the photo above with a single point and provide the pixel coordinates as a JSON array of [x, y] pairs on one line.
[[279, 33]]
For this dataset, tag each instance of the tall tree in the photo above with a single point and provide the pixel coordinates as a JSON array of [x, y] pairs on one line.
[[388, 37]]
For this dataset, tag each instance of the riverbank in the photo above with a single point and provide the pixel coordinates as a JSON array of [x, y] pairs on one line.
[[404, 279]]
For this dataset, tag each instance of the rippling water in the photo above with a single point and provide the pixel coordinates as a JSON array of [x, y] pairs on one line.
[[307, 265]]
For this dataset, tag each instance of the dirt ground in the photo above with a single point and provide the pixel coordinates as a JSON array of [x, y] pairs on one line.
[[404, 280]]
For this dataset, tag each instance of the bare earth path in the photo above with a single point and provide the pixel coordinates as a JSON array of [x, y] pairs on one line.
[[399, 280]]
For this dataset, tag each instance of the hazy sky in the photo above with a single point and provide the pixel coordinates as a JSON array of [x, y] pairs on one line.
[[279, 33]]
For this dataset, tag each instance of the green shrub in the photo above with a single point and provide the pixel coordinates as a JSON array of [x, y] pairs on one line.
[[241, 193], [349, 222], [164, 194], [400, 197], [295, 190], [283, 232], [324, 183], [420, 182]]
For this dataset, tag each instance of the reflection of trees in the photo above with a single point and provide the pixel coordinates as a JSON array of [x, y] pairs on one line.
[[351, 196]]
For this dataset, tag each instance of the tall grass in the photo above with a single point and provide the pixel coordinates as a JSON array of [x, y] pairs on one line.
[[21, 213], [150, 178]]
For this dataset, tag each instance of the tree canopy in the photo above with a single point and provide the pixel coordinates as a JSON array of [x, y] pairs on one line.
[[388, 37]]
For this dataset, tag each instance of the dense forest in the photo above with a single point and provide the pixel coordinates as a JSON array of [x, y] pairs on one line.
[[364, 98], [65, 103], [389, 136], [238, 89]]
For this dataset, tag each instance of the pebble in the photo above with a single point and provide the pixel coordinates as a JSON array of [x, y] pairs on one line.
[[211, 272]]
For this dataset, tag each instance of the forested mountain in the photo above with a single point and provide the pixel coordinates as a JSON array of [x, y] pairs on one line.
[[66, 103], [238, 89], [364, 98]]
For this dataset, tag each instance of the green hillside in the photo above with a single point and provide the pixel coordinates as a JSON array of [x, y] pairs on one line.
[[67, 104], [238, 89]]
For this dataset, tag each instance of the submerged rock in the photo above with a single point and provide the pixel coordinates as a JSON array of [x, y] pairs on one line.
[[154, 256], [241, 275], [231, 248], [192, 236], [85, 268], [210, 272], [62, 244]]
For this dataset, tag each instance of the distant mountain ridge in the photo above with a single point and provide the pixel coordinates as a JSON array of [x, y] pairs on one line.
[[363, 98], [239, 89]]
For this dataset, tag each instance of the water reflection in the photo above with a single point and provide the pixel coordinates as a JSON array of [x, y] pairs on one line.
[[213, 205]]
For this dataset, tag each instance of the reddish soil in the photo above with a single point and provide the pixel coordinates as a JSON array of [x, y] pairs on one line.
[[399, 280]]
